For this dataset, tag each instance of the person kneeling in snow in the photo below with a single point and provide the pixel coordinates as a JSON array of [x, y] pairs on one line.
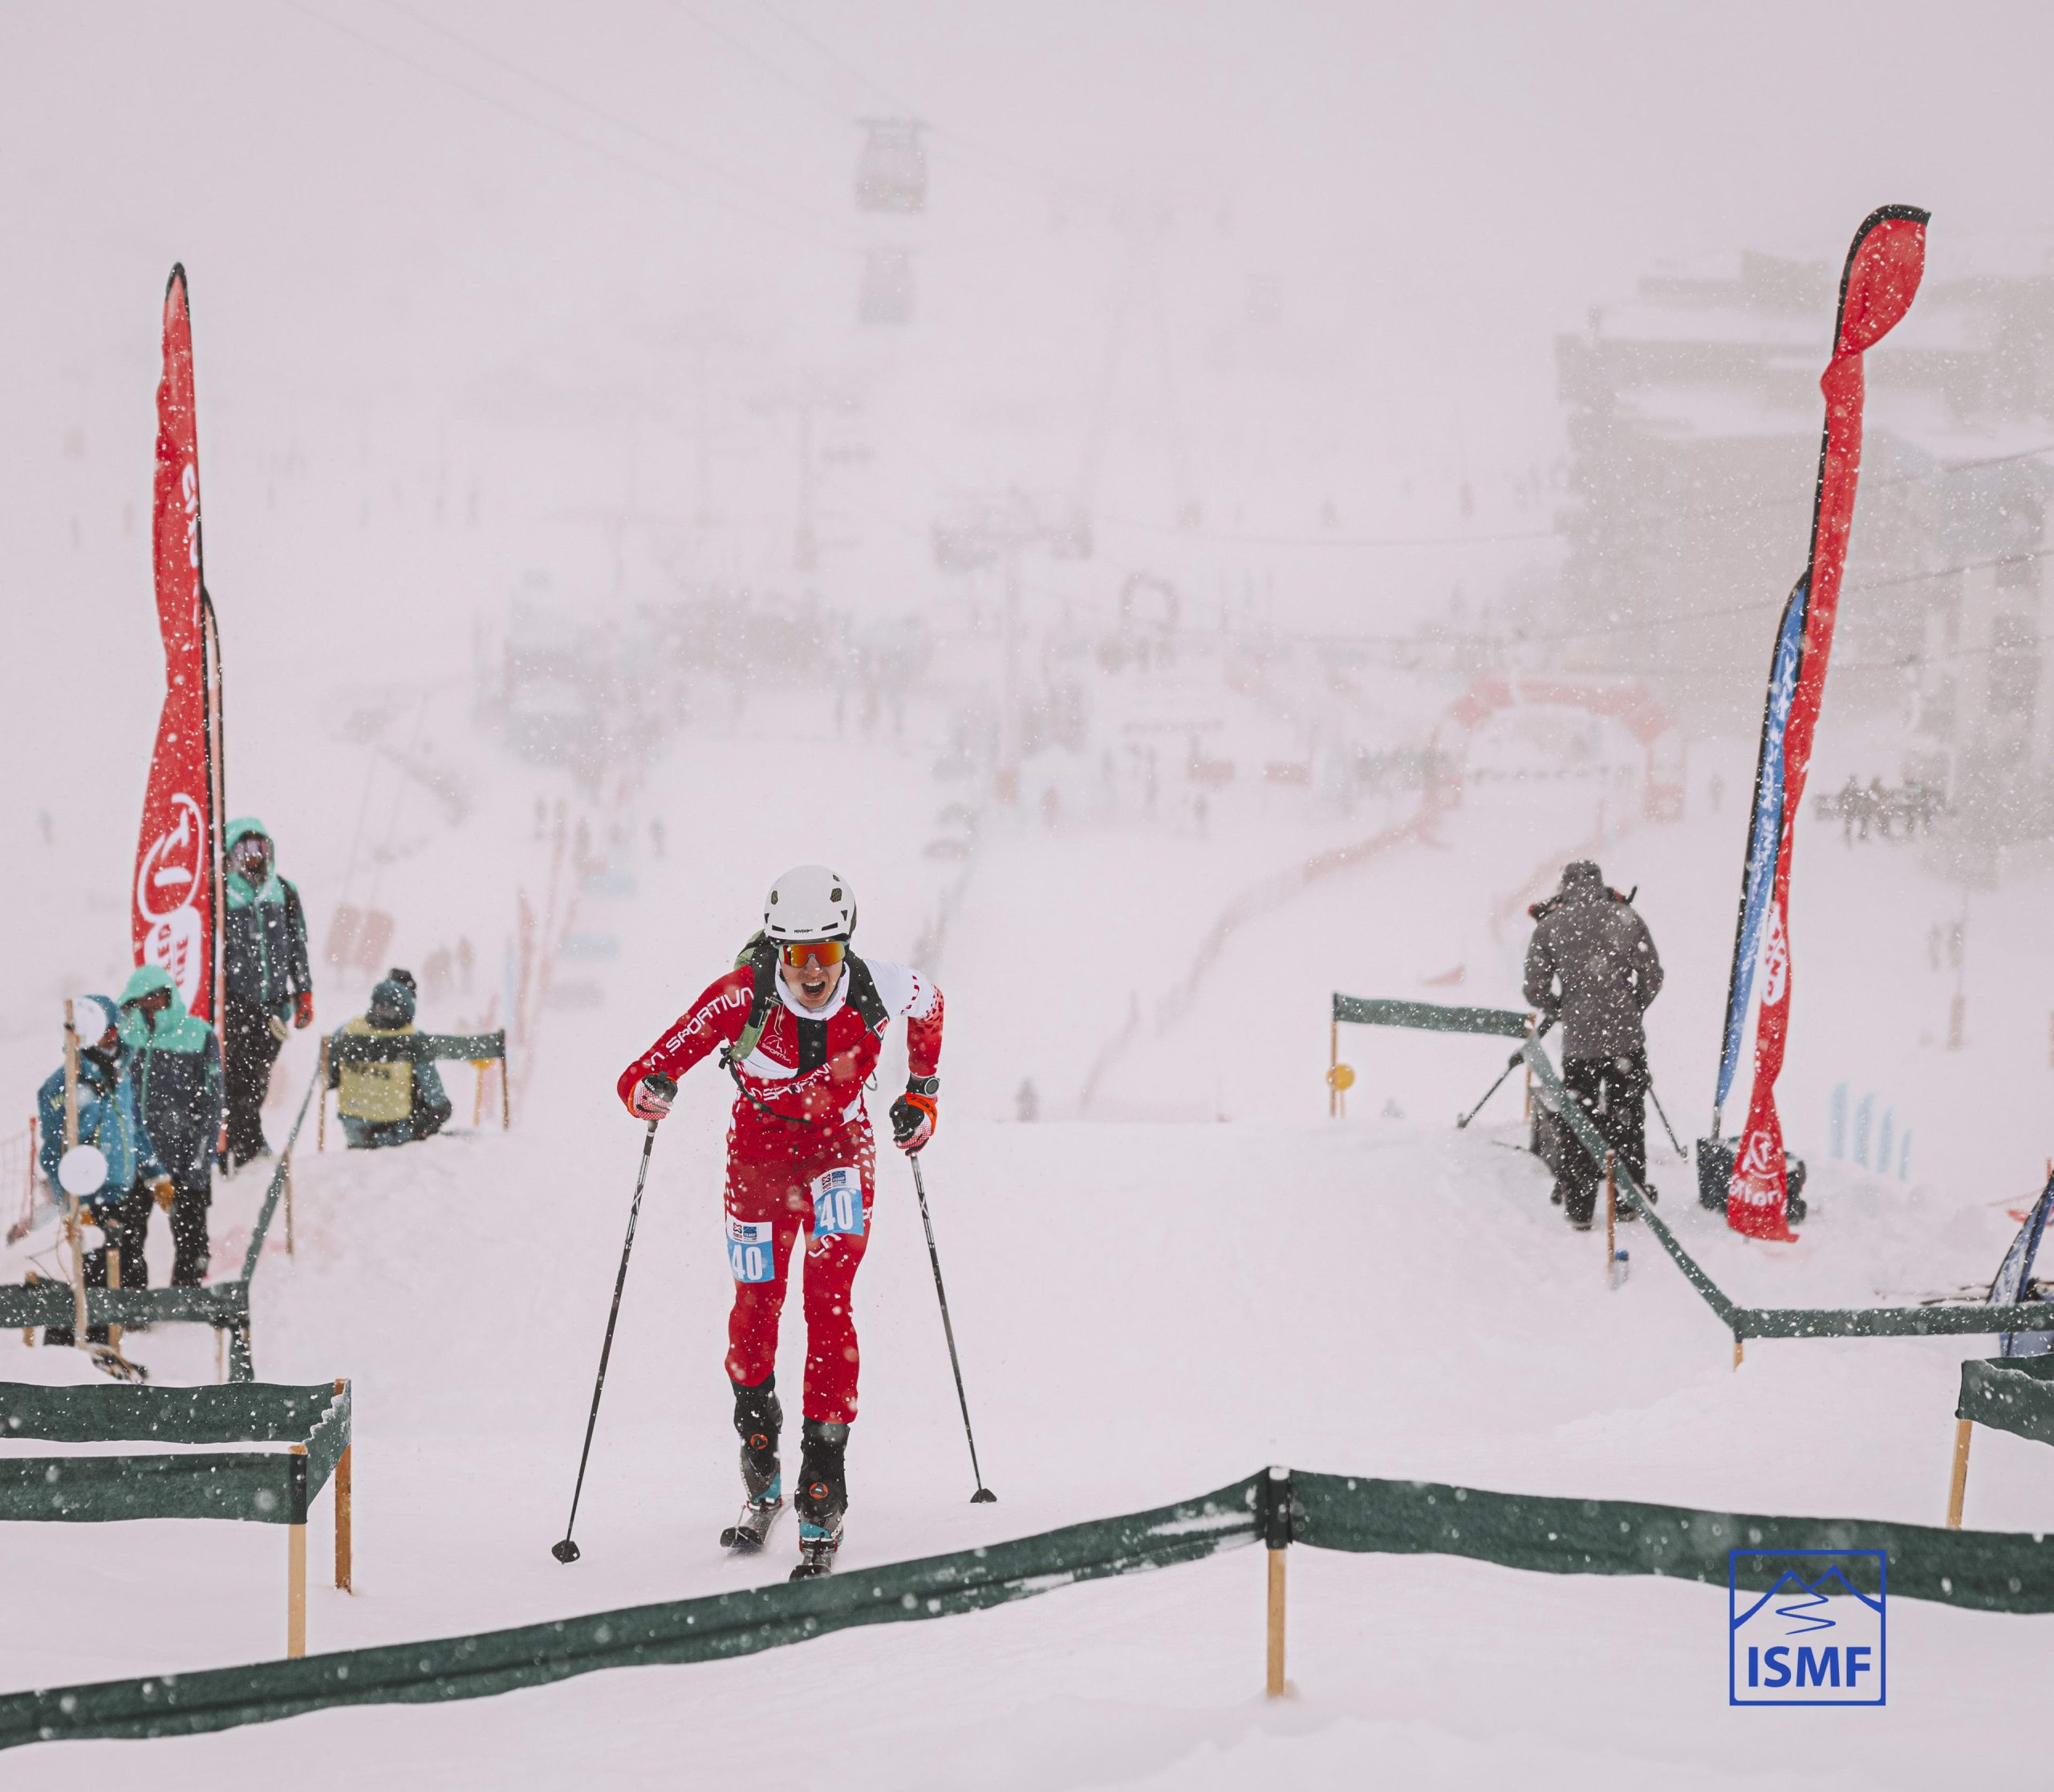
[[1590, 941], [110, 1120], [176, 1065], [799, 1024], [385, 1101]]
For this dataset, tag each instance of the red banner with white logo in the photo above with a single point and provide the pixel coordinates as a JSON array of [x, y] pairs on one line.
[[1875, 289], [175, 891]]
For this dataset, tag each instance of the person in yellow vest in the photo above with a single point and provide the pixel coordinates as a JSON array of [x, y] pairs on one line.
[[391, 1103]]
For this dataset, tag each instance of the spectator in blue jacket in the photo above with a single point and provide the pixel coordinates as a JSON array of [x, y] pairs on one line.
[[266, 981], [110, 1118], [176, 1067]]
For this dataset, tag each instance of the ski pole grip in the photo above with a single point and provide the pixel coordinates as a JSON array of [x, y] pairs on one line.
[[661, 1085], [1273, 1508]]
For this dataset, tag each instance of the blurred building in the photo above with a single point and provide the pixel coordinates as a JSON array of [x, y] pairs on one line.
[[1694, 427]]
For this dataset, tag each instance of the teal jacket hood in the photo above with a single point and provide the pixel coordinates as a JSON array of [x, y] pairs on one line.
[[176, 1029], [240, 894]]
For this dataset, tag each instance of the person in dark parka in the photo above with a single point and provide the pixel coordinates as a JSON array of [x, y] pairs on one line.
[[176, 1061], [1593, 968], [266, 978]]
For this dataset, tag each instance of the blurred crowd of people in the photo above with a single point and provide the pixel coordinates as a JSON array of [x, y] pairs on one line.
[[1900, 814]]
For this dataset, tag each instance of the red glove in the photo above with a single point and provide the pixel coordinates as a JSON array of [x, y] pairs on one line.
[[914, 1115], [652, 1098], [303, 1009]]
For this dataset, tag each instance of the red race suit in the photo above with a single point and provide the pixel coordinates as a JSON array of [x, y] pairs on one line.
[[802, 1161]]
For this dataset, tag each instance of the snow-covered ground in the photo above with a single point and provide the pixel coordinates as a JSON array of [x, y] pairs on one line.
[[1198, 1274]]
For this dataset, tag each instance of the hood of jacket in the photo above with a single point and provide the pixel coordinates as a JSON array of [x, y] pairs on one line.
[[240, 893], [176, 1030]]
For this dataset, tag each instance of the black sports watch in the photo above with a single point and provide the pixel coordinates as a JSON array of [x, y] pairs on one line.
[[922, 1085]]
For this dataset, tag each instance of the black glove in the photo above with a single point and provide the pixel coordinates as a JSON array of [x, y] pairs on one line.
[[653, 1096], [914, 1115]]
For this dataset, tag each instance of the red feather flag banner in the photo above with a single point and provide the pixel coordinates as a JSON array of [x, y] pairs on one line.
[[1875, 289], [176, 893]]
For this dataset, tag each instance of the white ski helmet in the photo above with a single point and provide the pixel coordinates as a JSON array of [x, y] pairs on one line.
[[809, 902]]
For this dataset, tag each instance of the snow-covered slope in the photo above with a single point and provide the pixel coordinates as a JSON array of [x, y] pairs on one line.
[[1145, 1309]]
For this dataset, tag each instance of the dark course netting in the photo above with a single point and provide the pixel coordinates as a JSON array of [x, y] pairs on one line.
[[1982, 1571]]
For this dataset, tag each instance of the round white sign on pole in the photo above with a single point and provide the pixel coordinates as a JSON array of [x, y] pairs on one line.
[[82, 1171]]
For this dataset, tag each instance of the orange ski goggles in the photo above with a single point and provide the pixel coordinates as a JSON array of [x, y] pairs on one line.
[[823, 952]]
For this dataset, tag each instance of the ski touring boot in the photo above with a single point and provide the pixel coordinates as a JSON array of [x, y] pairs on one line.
[[758, 1417], [823, 1497]]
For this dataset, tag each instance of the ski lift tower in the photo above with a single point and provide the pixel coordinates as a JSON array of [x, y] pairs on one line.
[[891, 180]]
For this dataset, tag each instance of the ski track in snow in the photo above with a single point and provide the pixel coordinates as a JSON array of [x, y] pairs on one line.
[[1145, 1311]]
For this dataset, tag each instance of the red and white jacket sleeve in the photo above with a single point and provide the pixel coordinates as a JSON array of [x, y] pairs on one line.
[[716, 1018], [924, 1028]]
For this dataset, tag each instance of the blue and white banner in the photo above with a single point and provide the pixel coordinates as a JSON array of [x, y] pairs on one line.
[[1765, 834]]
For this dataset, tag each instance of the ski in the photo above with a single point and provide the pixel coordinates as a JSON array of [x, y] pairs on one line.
[[749, 1533]]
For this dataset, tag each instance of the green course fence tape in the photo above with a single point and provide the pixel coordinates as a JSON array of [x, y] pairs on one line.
[[392, 1048], [2014, 1394], [255, 1412], [1430, 1017], [262, 1487], [688, 1630], [1983, 1570], [1765, 1321], [279, 1180], [1980, 1570], [42, 1303]]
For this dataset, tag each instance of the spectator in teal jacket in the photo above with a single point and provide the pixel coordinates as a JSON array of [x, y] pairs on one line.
[[110, 1118], [176, 1067]]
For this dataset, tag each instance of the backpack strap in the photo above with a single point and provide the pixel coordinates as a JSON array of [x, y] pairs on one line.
[[760, 957], [863, 997]]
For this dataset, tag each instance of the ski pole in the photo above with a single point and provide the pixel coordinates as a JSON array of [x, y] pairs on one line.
[[983, 1495], [567, 1551], [1511, 1064], [1665, 1127]]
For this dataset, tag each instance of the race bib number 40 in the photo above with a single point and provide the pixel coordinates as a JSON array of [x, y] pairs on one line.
[[751, 1254], [838, 1203]]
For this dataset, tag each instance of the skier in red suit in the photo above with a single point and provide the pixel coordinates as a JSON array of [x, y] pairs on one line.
[[798, 1024]]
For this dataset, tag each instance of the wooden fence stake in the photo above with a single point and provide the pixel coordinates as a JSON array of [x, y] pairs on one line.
[[1274, 1684], [343, 1515], [505, 1100], [114, 1284], [295, 1592], [1611, 1219], [321, 1125], [1736, 1350], [1964, 1428], [288, 1170], [1333, 1058], [477, 1102]]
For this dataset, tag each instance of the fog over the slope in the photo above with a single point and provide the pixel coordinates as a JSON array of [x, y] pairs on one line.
[[489, 294]]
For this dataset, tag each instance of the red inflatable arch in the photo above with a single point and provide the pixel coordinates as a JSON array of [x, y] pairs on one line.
[[1631, 704]]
